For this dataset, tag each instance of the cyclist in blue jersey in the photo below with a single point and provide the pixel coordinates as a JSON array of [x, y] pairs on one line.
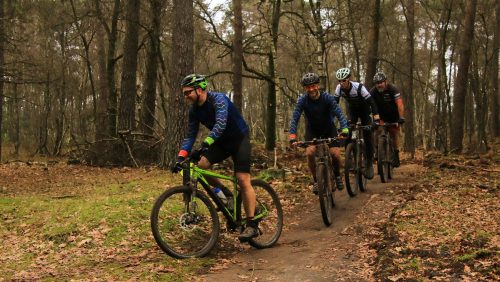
[[320, 109], [359, 103], [228, 137]]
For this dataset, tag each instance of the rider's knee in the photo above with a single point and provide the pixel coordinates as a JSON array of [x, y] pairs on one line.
[[204, 163]]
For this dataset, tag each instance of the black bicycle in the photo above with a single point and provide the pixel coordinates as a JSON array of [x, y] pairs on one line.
[[355, 160], [385, 153], [185, 222], [324, 175]]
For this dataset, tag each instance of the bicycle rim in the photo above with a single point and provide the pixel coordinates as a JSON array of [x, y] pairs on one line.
[[324, 192], [269, 207], [350, 171], [181, 233], [381, 160]]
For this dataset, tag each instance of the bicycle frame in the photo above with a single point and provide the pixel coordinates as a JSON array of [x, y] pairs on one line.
[[192, 175], [358, 140], [385, 134]]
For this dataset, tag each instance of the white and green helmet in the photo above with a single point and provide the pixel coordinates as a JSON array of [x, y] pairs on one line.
[[343, 73]]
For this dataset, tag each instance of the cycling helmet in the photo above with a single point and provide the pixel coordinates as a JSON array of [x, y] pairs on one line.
[[343, 73], [378, 77], [195, 81], [309, 78]]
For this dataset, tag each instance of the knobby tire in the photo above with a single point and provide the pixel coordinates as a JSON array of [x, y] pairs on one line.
[[181, 234], [271, 224], [325, 194]]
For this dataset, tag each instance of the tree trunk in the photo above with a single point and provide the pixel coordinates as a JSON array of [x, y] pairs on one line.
[[43, 134], [126, 119], [182, 63], [238, 55], [409, 136], [494, 101], [354, 41], [112, 33], [272, 91], [320, 37], [149, 101], [88, 63], [60, 114], [460, 93], [102, 125], [3, 39], [373, 38], [441, 140], [271, 108]]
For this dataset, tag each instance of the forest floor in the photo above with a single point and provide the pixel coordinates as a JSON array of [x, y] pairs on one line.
[[438, 219]]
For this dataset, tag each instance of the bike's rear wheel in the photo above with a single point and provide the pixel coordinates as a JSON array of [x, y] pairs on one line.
[[271, 222], [325, 194], [382, 160], [185, 227], [360, 176], [350, 170]]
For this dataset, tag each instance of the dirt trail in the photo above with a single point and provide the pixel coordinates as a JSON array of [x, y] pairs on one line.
[[310, 251]]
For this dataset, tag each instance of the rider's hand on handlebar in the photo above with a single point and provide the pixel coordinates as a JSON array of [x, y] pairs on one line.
[[293, 142], [344, 133], [178, 164], [196, 154], [376, 119]]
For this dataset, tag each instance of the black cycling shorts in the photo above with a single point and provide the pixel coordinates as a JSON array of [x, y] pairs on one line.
[[239, 150]]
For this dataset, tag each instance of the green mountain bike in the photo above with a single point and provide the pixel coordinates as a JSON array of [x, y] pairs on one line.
[[185, 222]]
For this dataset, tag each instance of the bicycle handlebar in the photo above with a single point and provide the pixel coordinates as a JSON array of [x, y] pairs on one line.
[[315, 141], [362, 127], [389, 124]]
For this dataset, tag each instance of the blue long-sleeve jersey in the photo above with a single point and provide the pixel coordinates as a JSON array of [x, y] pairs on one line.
[[219, 115], [319, 113]]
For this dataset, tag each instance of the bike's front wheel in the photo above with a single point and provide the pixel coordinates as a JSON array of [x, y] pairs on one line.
[[269, 214], [360, 177], [185, 226], [325, 194], [390, 161], [382, 160], [350, 170]]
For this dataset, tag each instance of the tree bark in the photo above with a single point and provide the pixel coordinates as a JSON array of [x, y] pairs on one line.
[[149, 101], [3, 39], [271, 108], [409, 144], [272, 89], [126, 119], [460, 93], [182, 64], [102, 126], [238, 55], [373, 39], [112, 103], [494, 100], [441, 139]]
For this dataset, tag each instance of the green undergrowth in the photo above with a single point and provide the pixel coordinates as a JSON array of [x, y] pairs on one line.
[[101, 233]]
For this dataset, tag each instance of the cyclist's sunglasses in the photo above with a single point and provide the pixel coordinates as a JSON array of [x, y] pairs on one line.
[[187, 92], [342, 80]]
